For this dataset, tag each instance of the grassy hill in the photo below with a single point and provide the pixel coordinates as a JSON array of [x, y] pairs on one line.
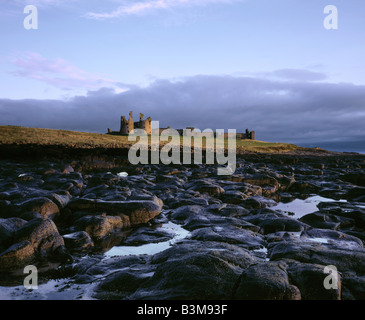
[[14, 135]]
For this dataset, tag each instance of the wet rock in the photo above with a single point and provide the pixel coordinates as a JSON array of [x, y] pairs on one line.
[[283, 236], [334, 238], [325, 221], [97, 266], [138, 211], [205, 186], [349, 214], [268, 191], [7, 230], [100, 226], [192, 277], [184, 212], [304, 187], [285, 182], [266, 281], [309, 279], [16, 256], [355, 178], [30, 215], [194, 217], [257, 202], [78, 241], [46, 207], [356, 194], [274, 222], [180, 201], [261, 180], [41, 233], [67, 169], [61, 200], [147, 235], [233, 197], [24, 177], [249, 189], [317, 253], [120, 285], [233, 254], [353, 287], [229, 234], [234, 211]]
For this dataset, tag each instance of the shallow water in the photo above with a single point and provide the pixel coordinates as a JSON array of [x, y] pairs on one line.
[[62, 289], [176, 230], [299, 208]]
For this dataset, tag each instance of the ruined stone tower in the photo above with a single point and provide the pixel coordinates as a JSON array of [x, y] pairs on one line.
[[123, 125], [144, 124], [127, 127], [130, 126]]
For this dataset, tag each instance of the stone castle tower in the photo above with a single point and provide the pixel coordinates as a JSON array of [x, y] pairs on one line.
[[127, 127]]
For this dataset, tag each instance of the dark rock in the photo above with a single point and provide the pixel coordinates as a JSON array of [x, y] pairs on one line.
[[309, 279], [285, 182], [138, 211], [30, 215], [195, 277], [194, 217], [261, 180], [257, 202], [229, 234], [61, 200], [100, 226], [147, 235], [67, 169], [78, 241], [274, 222], [334, 238], [326, 221], [266, 281], [356, 194], [355, 178], [205, 186], [119, 285], [184, 212], [7, 230], [304, 187], [348, 214], [234, 211], [233, 254], [316, 253], [46, 207], [233, 197], [353, 287], [180, 201]]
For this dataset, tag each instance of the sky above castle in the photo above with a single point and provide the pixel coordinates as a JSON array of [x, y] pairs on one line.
[[269, 65]]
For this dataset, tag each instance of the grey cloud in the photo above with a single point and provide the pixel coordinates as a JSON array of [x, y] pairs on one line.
[[297, 112], [299, 75]]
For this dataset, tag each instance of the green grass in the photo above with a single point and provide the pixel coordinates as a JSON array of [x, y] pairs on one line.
[[74, 139]]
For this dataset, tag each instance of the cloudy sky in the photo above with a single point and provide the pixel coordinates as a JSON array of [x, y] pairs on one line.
[[267, 65]]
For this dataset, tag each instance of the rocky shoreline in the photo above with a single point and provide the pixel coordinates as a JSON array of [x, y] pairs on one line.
[[85, 224]]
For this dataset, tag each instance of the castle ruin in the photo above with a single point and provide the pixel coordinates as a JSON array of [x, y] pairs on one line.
[[127, 127]]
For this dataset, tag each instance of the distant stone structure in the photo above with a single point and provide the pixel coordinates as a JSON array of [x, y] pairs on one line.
[[127, 127], [248, 135]]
